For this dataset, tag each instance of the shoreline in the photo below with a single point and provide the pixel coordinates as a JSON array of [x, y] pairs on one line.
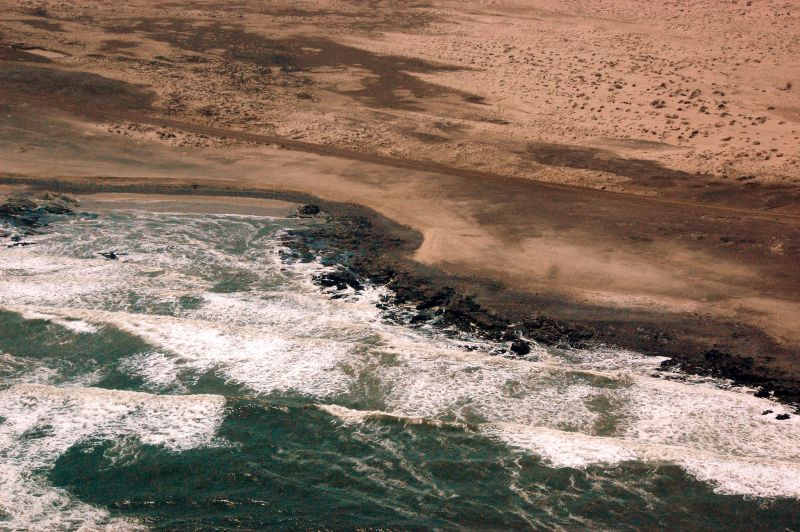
[[367, 245]]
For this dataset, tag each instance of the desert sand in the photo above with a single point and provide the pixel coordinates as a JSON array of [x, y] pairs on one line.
[[631, 166]]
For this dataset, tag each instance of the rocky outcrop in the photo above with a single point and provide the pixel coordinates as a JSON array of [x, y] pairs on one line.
[[361, 251], [26, 213], [308, 210]]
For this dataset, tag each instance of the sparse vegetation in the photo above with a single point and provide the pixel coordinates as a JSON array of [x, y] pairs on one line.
[[41, 11], [208, 111]]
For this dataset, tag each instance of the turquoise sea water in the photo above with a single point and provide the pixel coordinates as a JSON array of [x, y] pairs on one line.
[[202, 381]]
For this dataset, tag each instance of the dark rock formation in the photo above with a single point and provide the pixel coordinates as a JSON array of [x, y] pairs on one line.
[[308, 210], [520, 347], [340, 279], [27, 213]]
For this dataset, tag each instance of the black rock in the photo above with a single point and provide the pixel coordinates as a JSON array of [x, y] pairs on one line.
[[16, 206], [714, 355], [782, 416], [436, 300], [25, 212], [520, 347], [57, 208], [508, 335], [110, 255], [382, 276], [765, 412], [340, 280], [762, 392], [308, 210], [483, 320], [421, 317]]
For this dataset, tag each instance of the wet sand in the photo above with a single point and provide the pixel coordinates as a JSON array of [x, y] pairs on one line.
[[192, 204]]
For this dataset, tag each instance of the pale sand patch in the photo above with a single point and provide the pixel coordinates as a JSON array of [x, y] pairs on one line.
[[187, 204]]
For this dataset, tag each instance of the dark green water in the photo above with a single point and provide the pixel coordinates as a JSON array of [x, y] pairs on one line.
[[201, 382]]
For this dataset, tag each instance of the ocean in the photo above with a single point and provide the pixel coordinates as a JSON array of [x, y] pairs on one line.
[[203, 380]]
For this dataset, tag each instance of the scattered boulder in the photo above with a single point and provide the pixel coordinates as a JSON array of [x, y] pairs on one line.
[[762, 392], [782, 417], [766, 412], [110, 255], [520, 347]]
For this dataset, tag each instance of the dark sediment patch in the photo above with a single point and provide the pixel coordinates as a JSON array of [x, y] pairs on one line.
[[428, 138], [752, 195], [388, 81], [474, 98], [366, 247], [41, 24], [450, 127], [75, 87], [643, 171], [116, 45]]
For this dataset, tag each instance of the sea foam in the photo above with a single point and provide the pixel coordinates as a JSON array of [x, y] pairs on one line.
[[43, 422], [281, 334]]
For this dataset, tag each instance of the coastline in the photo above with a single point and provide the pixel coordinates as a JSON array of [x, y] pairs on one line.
[[367, 246], [513, 265]]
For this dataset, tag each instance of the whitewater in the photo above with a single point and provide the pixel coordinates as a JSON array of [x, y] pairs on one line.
[[148, 359]]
